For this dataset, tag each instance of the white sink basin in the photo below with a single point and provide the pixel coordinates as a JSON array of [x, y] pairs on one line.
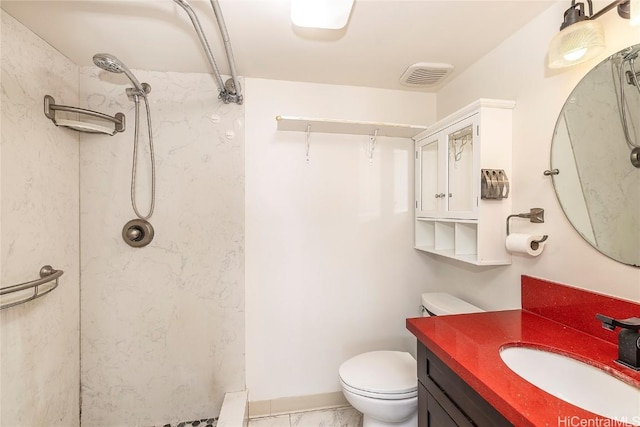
[[575, 382]]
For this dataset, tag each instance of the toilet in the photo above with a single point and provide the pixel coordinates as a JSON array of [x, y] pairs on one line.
[[383, 384], [442, 304]]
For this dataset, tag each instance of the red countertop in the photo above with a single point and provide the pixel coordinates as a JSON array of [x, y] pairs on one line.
[[470, 345]]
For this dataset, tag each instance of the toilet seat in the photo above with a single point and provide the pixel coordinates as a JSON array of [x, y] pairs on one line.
[[385, 375], [380, 396]]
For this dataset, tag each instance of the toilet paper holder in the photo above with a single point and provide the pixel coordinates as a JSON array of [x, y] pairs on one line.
[[535, 215]]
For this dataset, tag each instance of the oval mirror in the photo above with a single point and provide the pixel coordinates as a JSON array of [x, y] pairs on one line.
[[596, 151]]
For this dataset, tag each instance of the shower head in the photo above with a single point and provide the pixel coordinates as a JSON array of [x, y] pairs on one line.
[[112, 64]]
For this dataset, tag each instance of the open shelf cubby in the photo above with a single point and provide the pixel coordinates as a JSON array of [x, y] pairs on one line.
[[452, 239]]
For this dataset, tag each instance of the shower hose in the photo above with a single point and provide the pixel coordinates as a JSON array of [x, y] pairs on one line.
[[135, 159]]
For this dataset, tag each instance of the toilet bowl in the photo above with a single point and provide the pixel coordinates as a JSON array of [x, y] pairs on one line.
[[383, 385]]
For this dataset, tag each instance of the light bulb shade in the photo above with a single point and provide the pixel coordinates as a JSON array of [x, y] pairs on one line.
[[635, 12], [577, 43], [325, 14]]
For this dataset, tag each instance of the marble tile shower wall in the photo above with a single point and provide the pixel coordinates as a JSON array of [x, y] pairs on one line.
[[39, 353], [162, 326]]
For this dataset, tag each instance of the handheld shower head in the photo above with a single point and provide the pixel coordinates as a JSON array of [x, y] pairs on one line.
[[112, 64]]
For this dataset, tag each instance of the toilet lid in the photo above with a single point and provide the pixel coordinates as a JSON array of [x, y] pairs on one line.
[[381, 372]]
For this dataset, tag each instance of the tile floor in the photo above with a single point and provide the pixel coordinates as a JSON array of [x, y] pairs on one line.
[[337, 417]]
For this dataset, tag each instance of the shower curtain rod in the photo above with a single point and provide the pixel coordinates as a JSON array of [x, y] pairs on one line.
[[230, 91]]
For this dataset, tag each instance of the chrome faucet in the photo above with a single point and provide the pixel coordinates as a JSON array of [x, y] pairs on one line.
[[628, 339]]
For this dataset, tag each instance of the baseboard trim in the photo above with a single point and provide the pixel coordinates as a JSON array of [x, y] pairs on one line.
[[285, 405]]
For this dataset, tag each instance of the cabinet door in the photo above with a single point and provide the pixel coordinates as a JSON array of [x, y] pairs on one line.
[[429, 180], [461, 199], [438, 383]]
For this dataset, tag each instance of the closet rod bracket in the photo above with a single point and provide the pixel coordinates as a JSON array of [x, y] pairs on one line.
[[373, 138]]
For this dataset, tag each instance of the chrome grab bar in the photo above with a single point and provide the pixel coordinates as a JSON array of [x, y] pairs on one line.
[[47, 274]]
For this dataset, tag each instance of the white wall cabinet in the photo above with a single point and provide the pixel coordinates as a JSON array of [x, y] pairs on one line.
[[452, 219], [447, 183]]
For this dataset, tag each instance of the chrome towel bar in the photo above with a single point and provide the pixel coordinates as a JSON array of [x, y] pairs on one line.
[[47, 274]]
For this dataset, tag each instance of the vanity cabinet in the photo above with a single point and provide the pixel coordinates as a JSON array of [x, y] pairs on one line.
[[452, 219], [445, 400]]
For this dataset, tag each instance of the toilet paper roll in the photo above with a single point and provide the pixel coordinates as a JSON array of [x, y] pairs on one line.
[[524, 244]]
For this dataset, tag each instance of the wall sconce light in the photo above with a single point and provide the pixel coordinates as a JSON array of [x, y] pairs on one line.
[[323, 14], [581, 37]]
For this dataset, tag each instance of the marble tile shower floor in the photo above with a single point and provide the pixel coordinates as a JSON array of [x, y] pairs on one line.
[[207, 422]]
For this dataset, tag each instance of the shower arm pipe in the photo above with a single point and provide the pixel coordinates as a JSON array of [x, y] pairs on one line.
[[227, 47], [203, 40]]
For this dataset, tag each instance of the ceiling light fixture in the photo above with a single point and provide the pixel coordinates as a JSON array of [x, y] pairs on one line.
[[634, 13], [581, 37], [323, 14]]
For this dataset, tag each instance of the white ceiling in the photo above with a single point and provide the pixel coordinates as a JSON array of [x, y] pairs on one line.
[[382, 38]]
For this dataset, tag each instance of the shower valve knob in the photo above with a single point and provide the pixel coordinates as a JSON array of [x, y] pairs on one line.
[[134, 233], [137, 233], [635, 157]]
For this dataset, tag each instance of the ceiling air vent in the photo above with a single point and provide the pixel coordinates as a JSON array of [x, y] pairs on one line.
[[424, 74]]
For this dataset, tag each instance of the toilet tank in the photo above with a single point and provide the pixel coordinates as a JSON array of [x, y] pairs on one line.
[[442, 304]]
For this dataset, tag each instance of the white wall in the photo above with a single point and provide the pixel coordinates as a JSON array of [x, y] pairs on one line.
[[516, 70], [330, 265], [163, 325], [39, 352]]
